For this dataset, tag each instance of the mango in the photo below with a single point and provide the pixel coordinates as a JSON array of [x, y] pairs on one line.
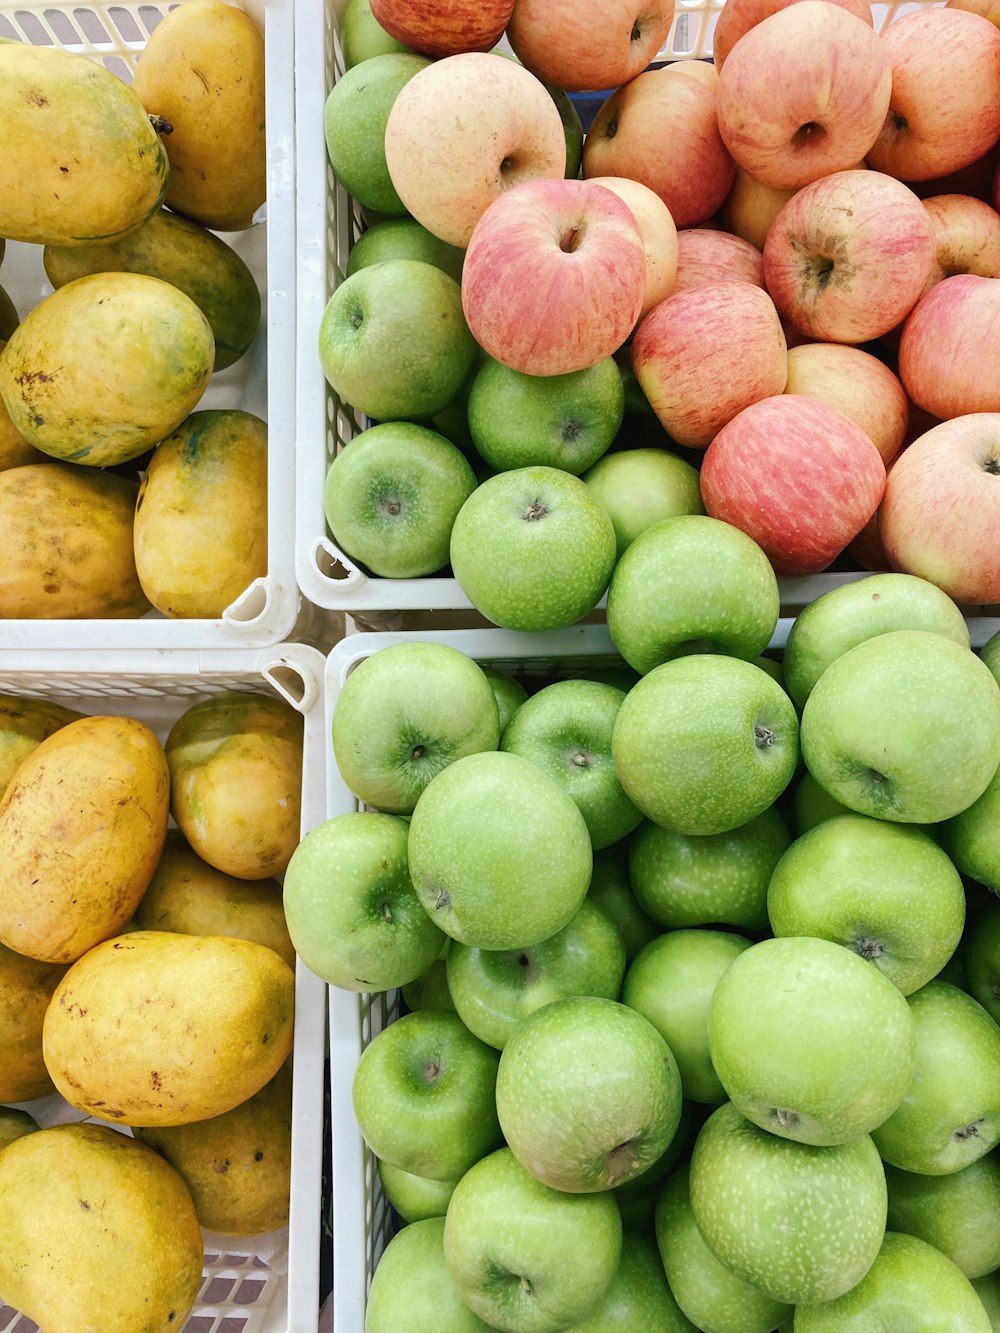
[[14, 1124], [200, 531], [26, 987], [82, 826], [24, 723], [9, 318], [15, 450], [202, 71], [185, 254], [68, 544], [99, 1233], [106, 367], [154, 1028], [79, 160]]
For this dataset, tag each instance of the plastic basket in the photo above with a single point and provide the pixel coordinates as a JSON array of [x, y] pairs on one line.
[[261, 382], [266, 1284]]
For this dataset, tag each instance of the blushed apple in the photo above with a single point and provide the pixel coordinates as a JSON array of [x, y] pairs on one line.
[[444, 27], [707, 255], [750, 207], [658, 232], [738, 16], [857, 384], [587, 45], [940, 350], [966, 236]]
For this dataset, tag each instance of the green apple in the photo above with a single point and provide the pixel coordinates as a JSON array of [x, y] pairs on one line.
[[412, 1288], [671, 983], [572, 128], [611, 888], [391, 498], [423, 1095], [493, 990], [510, 695], [804, 1224], [811, 804], [951, 1115], [685, 879], [972, 837], [362, 36], [637, 1199], [403, 714], [393, 341], [532, 549], [911, 1286], [990, 654], [415, 1197], [988, 1291], [887, 891], [958, 1214], [642, 487], [562, 421], [430, 989], [354, 119], [853, 612], [499, 854], [524, 1257], [565, 728], [981, 956], [710, 1295], [404, 238], [904, 726], [588, 1094], [638, 1297], [350, 907], [705, 743], [809, 1041], [691, 584]]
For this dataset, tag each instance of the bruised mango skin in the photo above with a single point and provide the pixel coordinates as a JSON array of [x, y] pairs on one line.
[[15, 450], [186, 255], [24, 724], [67, 534], [26, 986], [79, 160]]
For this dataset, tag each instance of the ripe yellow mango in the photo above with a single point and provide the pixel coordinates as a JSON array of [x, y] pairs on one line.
[[24, 723], [26, 986]]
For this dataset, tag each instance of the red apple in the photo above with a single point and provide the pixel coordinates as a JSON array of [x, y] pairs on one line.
[[554, 276], [588, 45], [707, 352], [940, 517], [738, 16], [848, 256], [797, 476], [659, 235], [857, 384], [443, 27], [803, 93], [966, 236], [705, 254], [945, 107], [946, 359], [750, 207], [975, 179]]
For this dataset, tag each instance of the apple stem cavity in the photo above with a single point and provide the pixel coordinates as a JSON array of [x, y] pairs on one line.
[[620, 1162], [570, 240], [418, 752], [636, 33], [526, 1286], [992, 466], [432, 1070], [535, 511], [869, 949], [808, 134], [762, 736], [968, 1131], [786, 1119], [442, 901], [387, 913]]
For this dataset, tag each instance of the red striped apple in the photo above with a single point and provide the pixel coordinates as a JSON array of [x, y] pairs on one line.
[[738, 16], [444, 27], [857, 384], [659, 235], [587, 45], [941, 350], [966, 236], [705, 254]]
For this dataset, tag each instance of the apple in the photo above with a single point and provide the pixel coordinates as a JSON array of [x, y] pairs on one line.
[[698, 880], [588, 1094], [510, 694], [415, 1198], [904, 726], [981, 956], [403, 238], [811, 805], [430, 989], [671, 983], [857, 384], [524, 1256], [402, 714], [950, 1116], [467, 129], [750, 207], [411, 1287], [796, 475], [691, 584], [611, 889], [707, 352], [641, 487], [393, 341], [803, 1224], [988, 1291], [945, 106], [587, 45], [532, 548], [835, 84], [494, 990], [351, 910], [639, 1296], [707, 255], [939, 349], [423, 1094], [850, 613], [739, 16], [661, 129], [990, 654], [362, 36], [988, 8], [499, 854], [637, 1199], [658, 232], [959, 1214], [703, 744], [966, 236], [554, 277], [563, 421], [444, 29]]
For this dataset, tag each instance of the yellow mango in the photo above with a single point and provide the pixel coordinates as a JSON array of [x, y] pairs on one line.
[[82, 826], [79, 160], [106, 367], [67, 535], [15, 450], [201, 516], [24, 724], [154, 1028], [202, 71], [26, 986]]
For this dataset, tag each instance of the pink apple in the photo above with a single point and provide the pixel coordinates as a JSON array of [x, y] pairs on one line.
[[848, 256], [975, 179], [661, 129], [857, 384], [940, 517], [697, 69], [797, 476], [945, 107], [588, 45], [554, 276], [803, 93], [750, 207], [659, 235], [946, 359], [966, 236], [707, 352], [705, 254], [738, 16], [462, 132], [443, 27]]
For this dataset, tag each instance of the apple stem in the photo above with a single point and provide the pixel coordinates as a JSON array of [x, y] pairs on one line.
[[387, 913], [763, 737], [526, 1286], [785, 1118]]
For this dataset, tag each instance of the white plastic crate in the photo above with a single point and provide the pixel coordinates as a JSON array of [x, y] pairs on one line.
[[266, 1284], [261, 382]]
